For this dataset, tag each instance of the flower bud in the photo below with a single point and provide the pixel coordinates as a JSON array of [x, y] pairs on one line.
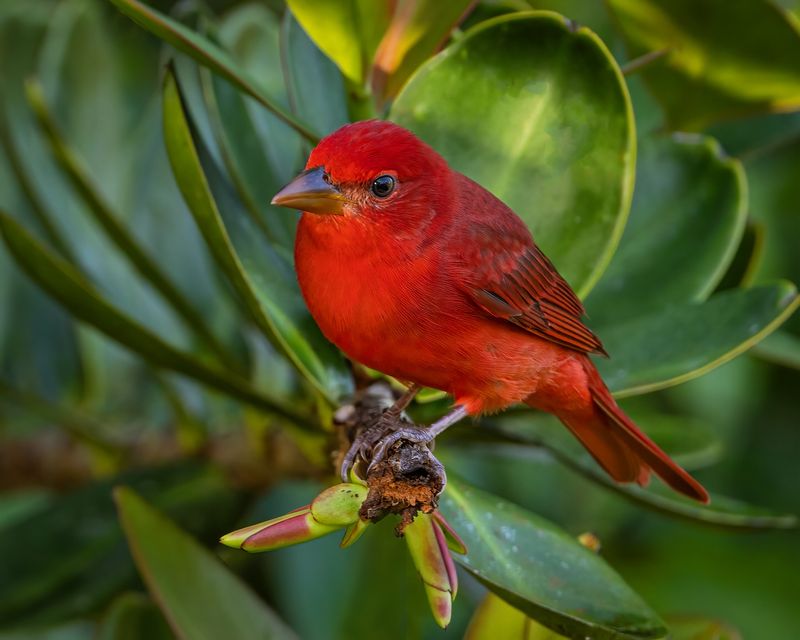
[[334, 508], [339, 505], [427, 545], [295, 527]]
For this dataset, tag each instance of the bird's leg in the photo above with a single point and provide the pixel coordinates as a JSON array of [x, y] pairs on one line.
[[419, 435], [366, 439]]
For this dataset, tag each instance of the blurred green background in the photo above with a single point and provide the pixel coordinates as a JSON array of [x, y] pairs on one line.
[[152, 335]]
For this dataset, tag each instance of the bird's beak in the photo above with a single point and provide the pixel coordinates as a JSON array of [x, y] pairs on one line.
[[310, 191]]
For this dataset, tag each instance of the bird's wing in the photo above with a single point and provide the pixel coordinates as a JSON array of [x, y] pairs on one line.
[[515, 281]]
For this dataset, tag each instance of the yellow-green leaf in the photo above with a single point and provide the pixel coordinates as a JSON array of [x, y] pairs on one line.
[[347, 31], [724, 59]]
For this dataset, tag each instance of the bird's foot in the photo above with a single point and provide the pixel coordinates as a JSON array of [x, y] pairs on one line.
[[373, 442], [416, 435]]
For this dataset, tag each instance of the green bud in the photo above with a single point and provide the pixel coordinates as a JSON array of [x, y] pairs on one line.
[[339, 505], [428, 548], [293, 528]]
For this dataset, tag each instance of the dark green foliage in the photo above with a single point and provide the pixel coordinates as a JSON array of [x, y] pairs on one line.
[[149, 311]]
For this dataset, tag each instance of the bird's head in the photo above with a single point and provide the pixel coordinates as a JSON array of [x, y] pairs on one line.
[[372, 171]]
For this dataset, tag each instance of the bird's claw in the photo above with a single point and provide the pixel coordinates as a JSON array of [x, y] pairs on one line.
[[374, 442], [382, 446]]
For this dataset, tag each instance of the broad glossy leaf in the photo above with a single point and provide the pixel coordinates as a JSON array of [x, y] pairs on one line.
[[495, 618], [197, 593], [347, 31], [69, 557], [687, 218], [538, 113], [541, 570], [681, 342], [687, 444], [314, 84], [133, 616], [209, 55], [715, 69], [71, 290], [418, 28], [263, 280]]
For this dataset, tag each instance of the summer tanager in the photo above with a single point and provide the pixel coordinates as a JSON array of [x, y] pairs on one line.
[[413, 269]]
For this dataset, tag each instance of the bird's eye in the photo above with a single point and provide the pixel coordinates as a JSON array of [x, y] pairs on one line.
[[382, 186]]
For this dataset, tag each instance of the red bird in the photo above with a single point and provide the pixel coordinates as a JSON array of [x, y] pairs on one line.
[[413, 269]]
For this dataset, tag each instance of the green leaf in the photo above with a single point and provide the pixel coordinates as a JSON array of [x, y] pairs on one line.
[[68, 558], [112, 225], [722, 512], [542, 571], [262, 279], [246, 160], [417, 29], [209, 55], [686, 221], [127, 161], [43, 355], [747, 259], [682, 440], [681, 342], [133, 616], [196, 592], [347, 31], [686, 440], [17, 505], [68, 287], [781, 347], [774, 197], [594, 15], [252, 34], [757, 135], [537, 112], [314, 84], [714, 70]]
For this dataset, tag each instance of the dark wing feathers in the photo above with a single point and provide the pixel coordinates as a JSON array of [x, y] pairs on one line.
[[532, 295]]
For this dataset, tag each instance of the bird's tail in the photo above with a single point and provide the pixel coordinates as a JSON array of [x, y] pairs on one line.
[[620, 447]]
